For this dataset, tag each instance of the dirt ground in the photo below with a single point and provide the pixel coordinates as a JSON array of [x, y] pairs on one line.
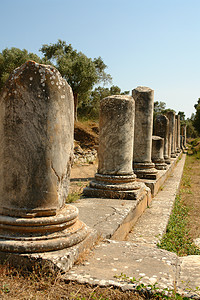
[[81, 175]]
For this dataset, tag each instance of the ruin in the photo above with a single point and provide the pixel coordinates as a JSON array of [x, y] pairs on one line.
[[171, 116], [184, 135], [142, 164], [157, 153], [115, 177], [161, 128], [36, 133], [178, 137]]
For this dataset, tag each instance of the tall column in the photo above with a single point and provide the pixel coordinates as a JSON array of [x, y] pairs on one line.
[[178, 144], [143, 166], [171, 117], [175, 137], [185, 135], [161, 128], [115, 177], [157, 153], [36, 134]]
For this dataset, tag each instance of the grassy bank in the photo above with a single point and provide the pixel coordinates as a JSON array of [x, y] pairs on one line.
[[183, 224]]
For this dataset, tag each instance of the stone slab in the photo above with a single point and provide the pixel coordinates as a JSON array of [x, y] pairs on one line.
[[112, 258], [152, 224], [112, 217], [162, 175], [188, 279]]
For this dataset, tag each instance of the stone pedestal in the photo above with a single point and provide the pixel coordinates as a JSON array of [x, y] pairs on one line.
[[178, 142], [171, 116], [161, 128], [36, 134], [142, 164], [157, 153], [115, 177]]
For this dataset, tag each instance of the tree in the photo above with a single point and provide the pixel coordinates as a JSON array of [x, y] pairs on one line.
[[81, 72], [91, 107], [196, 121], [12, 58], [182, 115], [159, 107]]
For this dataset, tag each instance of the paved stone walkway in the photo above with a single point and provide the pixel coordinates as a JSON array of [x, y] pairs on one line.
[[139, 256]]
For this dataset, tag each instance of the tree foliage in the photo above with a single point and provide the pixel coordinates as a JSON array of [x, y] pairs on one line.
[[91, 107], [196, 121], [81, 72], [159, 107], [11, 59], [182, 115]]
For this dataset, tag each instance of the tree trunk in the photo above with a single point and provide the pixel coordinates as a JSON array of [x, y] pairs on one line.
[[75, 106]]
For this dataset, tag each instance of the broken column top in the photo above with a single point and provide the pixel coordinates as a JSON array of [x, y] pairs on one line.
[[36, 137], [144, 89]]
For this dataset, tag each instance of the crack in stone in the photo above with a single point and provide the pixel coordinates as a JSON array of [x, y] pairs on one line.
[[59, 179], [112, 214]]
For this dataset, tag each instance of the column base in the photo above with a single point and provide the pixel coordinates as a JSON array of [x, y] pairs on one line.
[[115, 187], [160, 165], [167, 160], [42, 234], [145, 170]]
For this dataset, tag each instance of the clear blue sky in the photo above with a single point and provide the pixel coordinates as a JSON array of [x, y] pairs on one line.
[[155, 43]]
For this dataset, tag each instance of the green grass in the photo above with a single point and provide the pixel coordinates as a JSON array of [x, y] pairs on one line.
[[177, 237]]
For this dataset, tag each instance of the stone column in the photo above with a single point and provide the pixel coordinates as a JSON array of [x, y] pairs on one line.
[[175, 139], [161, 128], [170, 144], [171, 117], [178, 144], [36, 134], [184, 133], [157, 153], [115, 177], [182, 142], [143, 166]]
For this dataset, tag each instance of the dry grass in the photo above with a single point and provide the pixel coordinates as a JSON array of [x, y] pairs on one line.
[[37, 285]]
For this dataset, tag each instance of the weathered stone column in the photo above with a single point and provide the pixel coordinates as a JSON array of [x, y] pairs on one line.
[[36, 134], [161, 128], [178, 144], [157, 153], [184, 134], [143, 166], [115, 177], [175, 139], [171, 117], [170, 144]]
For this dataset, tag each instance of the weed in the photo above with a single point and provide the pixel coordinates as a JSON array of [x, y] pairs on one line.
[[73, 197], [151, 291]]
